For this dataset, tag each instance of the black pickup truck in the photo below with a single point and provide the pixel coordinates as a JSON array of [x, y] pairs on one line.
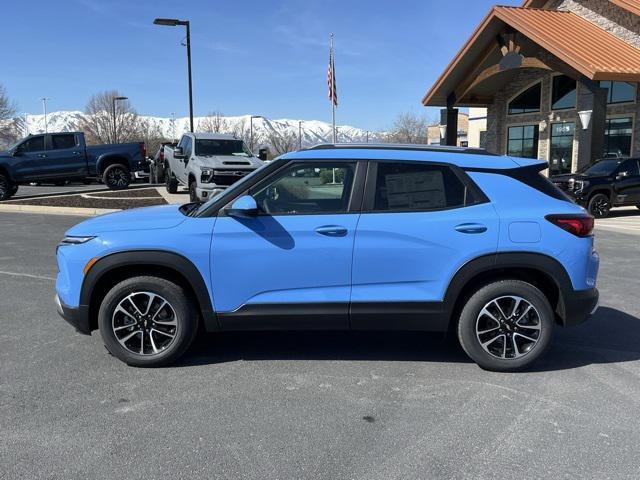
[[58, 157], [608, 183]]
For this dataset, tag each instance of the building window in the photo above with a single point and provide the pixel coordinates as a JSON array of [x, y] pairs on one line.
[[617, 137], [522, 141], [483, 139], [619, 92], [527, 102], [561, 154], [563, 95]]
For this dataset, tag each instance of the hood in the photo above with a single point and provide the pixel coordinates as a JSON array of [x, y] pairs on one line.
[[147, 218], [229, 161], [576, 176]]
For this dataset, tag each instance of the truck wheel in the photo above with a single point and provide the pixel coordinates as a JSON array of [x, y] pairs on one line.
[[116, 177], [193, 194], [599, 205], [506, 325], [7, 189], [147, 321], [170, 182]]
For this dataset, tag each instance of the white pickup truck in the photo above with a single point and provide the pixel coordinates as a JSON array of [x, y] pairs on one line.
[[207, 163]]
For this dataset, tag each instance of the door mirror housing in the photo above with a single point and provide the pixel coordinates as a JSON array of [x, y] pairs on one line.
[[243, 207], [262, 154], [178, 152]]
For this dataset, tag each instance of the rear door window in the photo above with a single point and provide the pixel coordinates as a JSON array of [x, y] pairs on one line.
[[63, 142], [415, 186]]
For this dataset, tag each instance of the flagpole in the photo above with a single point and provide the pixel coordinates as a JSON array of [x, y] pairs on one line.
[[333, 103]]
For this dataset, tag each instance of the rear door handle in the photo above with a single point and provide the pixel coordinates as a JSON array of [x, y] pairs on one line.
[[332, 231], [471, 228], [42, 155]]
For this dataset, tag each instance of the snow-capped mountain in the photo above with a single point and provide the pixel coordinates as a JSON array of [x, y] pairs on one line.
[[313, 131]]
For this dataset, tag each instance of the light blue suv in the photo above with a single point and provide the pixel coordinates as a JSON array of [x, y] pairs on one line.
[[341, 237]]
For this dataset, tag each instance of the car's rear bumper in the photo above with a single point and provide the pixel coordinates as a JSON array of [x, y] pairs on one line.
[[579, 305], [78, 317]]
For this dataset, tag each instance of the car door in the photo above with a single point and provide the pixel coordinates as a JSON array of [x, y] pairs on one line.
[[420, 223], [33, 159], [290, 266], [65, 157], [627, 183], [178, 165]]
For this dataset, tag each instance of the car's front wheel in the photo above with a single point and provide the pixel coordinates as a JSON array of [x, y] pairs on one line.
[[506, 325], [193, 193], [147, 321], [170, 182], [599, 205], [7, 189]]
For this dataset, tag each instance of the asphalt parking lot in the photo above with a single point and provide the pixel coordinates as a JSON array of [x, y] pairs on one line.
[[311, 405]]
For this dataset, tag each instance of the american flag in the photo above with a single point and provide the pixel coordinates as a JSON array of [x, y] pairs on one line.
[[331, 79]]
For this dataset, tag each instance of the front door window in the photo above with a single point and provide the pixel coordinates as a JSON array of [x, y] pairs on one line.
[[561, 154]]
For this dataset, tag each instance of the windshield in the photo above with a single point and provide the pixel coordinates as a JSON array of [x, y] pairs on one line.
[[210, 147], [603, 167]]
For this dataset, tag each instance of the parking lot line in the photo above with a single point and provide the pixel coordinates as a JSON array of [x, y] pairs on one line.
[[28, 275]]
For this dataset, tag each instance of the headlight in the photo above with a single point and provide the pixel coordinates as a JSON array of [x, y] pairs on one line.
[[75, 240], [206, 175], [580, 185]]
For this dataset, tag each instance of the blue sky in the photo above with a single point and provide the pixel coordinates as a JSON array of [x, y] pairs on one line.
[[262, 57]]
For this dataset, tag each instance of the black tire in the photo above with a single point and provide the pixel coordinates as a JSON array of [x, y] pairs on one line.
[[6, 187], [14, 190], [116, 177], [170, 182], [179, 308], [193, 194], [599, 205], [498, 353]]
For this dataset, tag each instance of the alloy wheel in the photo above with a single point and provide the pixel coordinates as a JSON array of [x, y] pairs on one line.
[[600, 206], [508, 327], [144, 323], [117, 177]]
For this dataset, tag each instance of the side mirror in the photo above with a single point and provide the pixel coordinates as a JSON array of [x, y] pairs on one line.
[[178, 152], [262, 154], [243, 207]]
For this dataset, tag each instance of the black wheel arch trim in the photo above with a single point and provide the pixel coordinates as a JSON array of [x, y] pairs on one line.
[[542, 263], [155, 258]]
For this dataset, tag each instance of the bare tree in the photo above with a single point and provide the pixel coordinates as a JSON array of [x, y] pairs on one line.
[[98, 124], [409, 128], [283, 142], [214, 122], [9, 126], [151, 134], [242, 131]]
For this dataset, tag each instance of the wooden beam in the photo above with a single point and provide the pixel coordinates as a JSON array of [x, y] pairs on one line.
[[476, 68]]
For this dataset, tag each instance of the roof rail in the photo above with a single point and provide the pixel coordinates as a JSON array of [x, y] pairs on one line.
[[401, 146]]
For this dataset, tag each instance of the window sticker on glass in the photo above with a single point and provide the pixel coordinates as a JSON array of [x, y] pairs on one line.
[[416, 190]]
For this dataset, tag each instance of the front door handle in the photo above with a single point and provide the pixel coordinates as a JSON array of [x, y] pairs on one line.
[[42, 155], [471, 228], [332, 231]]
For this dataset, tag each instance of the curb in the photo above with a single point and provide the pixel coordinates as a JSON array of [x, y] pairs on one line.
[[78, 192], [83, 212]]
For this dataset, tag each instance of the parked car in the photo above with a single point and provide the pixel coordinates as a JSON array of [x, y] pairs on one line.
[[158, 162], [207, 163], [409, 238], [61, 157], [603, 185]]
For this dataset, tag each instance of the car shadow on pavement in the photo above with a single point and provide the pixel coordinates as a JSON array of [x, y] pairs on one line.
[[611, 336]]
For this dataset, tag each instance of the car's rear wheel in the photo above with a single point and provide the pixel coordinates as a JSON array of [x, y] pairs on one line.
[[193, 194], [171, 183], [147, 321], [506, 325], [599, 205], [116, 177], [7, 189]]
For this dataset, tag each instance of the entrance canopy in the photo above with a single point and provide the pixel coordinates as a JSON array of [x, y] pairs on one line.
[[514, 38]]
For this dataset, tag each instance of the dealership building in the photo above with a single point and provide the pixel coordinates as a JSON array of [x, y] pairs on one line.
[[557, 79]]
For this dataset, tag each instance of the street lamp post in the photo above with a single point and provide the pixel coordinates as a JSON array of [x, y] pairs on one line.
[[44, 107], [172, 22], [251, 130], [115, 125], [300, 135]]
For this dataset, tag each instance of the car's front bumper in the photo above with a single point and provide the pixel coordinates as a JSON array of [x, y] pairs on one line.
[[78, 317], [579, 305]]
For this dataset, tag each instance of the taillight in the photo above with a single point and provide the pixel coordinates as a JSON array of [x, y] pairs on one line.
[[162, 155], [579, 225], [143, 150]]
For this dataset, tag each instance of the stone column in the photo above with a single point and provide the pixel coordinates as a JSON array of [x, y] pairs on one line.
[[591, 141]]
